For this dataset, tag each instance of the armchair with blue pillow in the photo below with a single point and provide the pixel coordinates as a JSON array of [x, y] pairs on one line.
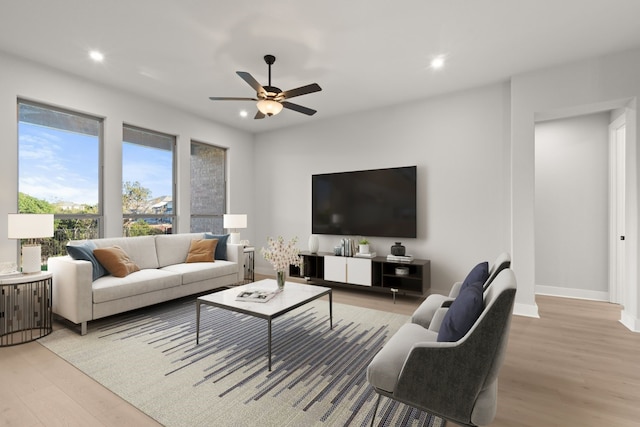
[[450, 368], [480, 273]]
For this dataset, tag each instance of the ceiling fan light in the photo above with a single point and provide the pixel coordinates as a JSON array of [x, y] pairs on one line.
[[269, 107]]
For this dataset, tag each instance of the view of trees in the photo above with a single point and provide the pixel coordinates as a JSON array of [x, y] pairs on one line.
[[135, 197], [136, 200], [28, 204], [65, 229]]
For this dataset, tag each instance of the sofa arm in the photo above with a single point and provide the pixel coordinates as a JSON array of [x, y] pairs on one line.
[[235, 253], [423, 315], [72, 292], [438, 317], [455, 290]]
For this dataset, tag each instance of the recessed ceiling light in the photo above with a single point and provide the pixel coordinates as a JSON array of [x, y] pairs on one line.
[[96, 56], [437, 62], [243, 113]]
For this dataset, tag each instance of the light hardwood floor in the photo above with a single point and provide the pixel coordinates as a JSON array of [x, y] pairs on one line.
[[575, 366]]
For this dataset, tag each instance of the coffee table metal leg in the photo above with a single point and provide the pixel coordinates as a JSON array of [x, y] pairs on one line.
[[330, 310], [197, 322], [269, 345]]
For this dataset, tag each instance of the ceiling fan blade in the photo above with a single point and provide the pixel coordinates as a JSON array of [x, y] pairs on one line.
[[303, 90], [252, 82], [226, 98], [298, 108], [259, 115]]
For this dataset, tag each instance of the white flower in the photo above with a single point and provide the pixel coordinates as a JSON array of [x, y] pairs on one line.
[[281, 255]]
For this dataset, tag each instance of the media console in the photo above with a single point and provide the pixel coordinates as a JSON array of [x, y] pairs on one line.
[[375, 274]]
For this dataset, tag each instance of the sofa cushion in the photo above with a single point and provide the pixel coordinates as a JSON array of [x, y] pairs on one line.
[[115, 260], [221, 248], [109, 288], [141, 249], [479, 273], [173, 248], [84, 251], [201, 250], [197, 272], [462, 314], [384, 369]]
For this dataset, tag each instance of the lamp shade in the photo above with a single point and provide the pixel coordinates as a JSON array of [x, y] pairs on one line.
[[234, 221], [29, 226], [269, 107]]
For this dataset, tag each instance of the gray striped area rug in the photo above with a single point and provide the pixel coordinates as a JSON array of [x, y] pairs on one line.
[[149, 357]]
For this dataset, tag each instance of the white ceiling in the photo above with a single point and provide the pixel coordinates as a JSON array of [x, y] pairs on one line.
[[363, 53]]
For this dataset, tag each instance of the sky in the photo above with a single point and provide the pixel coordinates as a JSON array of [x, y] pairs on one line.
[[59, 166]]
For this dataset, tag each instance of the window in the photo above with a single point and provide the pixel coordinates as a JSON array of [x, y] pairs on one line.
[[59, 171], [147, 182], [208, 187]]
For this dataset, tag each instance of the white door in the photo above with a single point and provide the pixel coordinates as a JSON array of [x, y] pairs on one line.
[[617, 133]]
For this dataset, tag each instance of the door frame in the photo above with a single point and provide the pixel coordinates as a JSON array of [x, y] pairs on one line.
[[617, 174]]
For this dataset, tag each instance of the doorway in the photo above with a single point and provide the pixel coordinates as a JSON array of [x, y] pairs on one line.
[[572, 206]]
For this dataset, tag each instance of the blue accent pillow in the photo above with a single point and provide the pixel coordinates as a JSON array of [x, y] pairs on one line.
[[462, 314], [221, 247], [479, 273], [84, 251]]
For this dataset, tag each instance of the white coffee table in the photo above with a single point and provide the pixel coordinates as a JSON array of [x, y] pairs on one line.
[[293, 296]]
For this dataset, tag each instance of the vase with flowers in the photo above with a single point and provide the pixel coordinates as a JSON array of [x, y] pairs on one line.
[[281, 255]]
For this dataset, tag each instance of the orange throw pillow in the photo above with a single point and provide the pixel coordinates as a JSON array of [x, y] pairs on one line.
[[202, 250], [115, 260]]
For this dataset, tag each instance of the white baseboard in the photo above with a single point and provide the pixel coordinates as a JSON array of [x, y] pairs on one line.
[[527, 310], [630, 322], [557, 291]]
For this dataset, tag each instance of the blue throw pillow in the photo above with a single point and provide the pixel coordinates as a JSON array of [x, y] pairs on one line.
[[462, 314], [479, 273], [84, 251], [221, 247]]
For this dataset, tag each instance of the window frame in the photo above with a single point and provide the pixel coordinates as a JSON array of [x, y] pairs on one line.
[[174, 150], [97, 217], [214, 216]]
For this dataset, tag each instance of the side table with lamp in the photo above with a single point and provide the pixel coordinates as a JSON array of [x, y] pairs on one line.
[[26, 297]]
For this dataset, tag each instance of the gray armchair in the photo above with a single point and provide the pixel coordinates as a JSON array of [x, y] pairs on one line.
[[425, 312], [457, 381]]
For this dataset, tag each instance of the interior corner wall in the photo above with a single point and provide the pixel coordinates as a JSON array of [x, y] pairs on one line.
[[460, 147], [572, 206], [588, 83], [28, 80]]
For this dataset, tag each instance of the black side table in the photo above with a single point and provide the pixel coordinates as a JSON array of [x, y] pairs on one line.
[[25, 308], [250, 263]]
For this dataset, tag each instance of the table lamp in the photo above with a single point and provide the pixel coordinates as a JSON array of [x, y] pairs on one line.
[[30, 226], [233, 222]]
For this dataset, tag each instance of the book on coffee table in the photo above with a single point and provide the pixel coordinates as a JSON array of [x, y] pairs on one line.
[[255, 295]]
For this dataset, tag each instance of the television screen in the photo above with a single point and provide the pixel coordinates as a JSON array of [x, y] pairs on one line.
[[377, 203]]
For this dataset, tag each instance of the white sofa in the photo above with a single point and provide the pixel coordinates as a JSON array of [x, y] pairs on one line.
[[163, 276]]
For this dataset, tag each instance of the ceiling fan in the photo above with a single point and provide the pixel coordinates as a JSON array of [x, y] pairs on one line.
[[271, 100]]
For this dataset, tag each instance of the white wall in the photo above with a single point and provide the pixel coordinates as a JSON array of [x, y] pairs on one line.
[[598, 84], [21, 79], [572, 206], [459, 144]]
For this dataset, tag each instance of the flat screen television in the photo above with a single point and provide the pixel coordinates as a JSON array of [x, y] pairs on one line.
[[376, 203]]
